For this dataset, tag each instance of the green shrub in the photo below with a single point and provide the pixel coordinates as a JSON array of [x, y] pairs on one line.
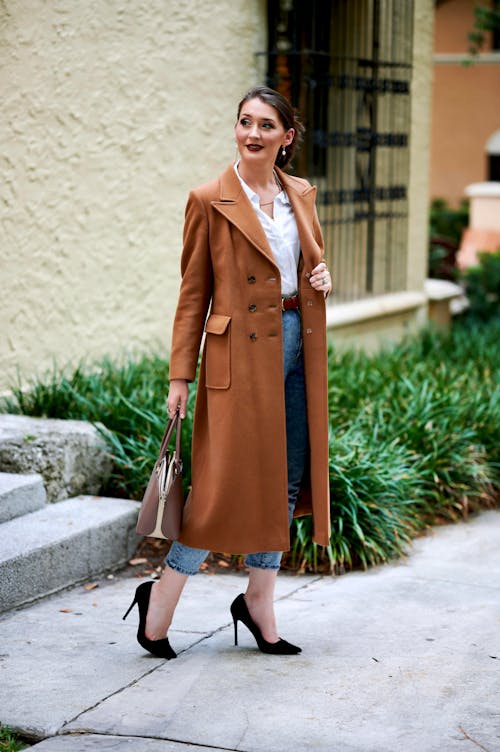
[[426, 420], [482, 287], [9, 742], [128, 399], [445, 231], [372, 486], [414, 435], [446, 222]]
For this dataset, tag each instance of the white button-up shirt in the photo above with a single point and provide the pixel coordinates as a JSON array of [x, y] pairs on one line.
[[281, 233]]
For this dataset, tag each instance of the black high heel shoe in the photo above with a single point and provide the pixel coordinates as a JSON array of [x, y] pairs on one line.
[[160, 648], [240, 612]]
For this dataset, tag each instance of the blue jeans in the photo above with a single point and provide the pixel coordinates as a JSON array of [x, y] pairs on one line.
[[187, 560]]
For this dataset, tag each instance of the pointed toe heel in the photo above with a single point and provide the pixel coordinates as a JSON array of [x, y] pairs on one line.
[[240, 612], [159, 648]]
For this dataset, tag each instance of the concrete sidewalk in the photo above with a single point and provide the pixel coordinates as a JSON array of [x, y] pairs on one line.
[[403, 658]]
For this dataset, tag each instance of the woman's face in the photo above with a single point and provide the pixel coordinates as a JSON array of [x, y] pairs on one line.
[[260, 133]]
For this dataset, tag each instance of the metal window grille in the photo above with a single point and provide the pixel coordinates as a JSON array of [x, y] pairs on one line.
[[347, 66]]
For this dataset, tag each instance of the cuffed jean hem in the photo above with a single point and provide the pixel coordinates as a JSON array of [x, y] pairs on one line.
[[264, 560], [184, 559]]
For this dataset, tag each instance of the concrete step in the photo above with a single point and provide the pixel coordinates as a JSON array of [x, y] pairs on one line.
[[71, 455], [20, 494], [62, 544]]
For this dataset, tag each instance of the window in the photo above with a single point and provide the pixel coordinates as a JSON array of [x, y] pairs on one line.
[[347, 67]]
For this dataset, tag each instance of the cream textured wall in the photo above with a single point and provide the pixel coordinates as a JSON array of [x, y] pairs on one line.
[[111, 111], [418, 188]]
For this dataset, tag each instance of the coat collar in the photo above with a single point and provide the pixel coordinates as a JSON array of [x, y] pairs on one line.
[[236, 207]]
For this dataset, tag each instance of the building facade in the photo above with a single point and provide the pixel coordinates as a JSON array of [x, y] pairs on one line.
[[465, 141], [112, 111]]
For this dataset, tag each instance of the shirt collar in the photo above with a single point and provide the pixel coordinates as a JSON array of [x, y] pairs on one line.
[[254, 197]]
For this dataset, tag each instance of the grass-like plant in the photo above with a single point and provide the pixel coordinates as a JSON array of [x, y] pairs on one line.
[[482, 286], [127, 402], [9, 742], [414, 435]]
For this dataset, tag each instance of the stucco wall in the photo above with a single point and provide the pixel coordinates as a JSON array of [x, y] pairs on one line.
[[111, 111]]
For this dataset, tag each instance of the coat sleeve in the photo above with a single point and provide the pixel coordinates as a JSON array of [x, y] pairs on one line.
[[195, 293]]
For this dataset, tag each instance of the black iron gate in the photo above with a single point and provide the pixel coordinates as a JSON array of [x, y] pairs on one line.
[[347, 65]]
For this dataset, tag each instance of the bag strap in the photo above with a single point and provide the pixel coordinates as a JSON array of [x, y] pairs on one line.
[[178, 438], [174, 424]]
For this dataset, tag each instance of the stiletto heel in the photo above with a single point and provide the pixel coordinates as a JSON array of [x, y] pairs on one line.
[[160, 648], [129, 609], [240, 612], [235, 630]]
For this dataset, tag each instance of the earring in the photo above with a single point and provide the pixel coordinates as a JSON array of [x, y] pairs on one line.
[[283, 152]]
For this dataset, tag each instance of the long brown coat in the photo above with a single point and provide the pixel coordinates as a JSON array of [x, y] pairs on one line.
[[239, 498]]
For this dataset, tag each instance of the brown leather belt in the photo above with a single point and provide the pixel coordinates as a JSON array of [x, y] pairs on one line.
[[289, 302]]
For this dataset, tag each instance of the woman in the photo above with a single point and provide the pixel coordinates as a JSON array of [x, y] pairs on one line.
[[254, 281]]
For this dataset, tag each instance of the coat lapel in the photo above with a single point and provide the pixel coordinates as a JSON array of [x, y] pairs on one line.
[[237, 209], [302, 199]]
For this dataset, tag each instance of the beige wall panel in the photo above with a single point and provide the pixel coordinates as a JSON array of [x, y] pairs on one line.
[[372, 335], [111, 112], [418, 188]]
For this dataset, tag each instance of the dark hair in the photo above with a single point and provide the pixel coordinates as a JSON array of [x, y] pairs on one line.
[[288, 116]]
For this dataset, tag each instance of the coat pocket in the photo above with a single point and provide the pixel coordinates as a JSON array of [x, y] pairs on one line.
[[218, 351]]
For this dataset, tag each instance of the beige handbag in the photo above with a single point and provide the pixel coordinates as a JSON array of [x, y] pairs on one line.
[[160, 515]]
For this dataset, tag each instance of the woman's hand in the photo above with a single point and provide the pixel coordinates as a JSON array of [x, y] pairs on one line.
[[177, 397], [320, 279]]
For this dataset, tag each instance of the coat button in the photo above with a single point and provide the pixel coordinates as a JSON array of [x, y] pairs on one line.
[[308, 331], [253, 336], [309, 302], [251, 279], [252, 307]]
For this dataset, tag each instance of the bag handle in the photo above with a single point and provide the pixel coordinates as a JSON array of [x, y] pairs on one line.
[[174, 424]]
